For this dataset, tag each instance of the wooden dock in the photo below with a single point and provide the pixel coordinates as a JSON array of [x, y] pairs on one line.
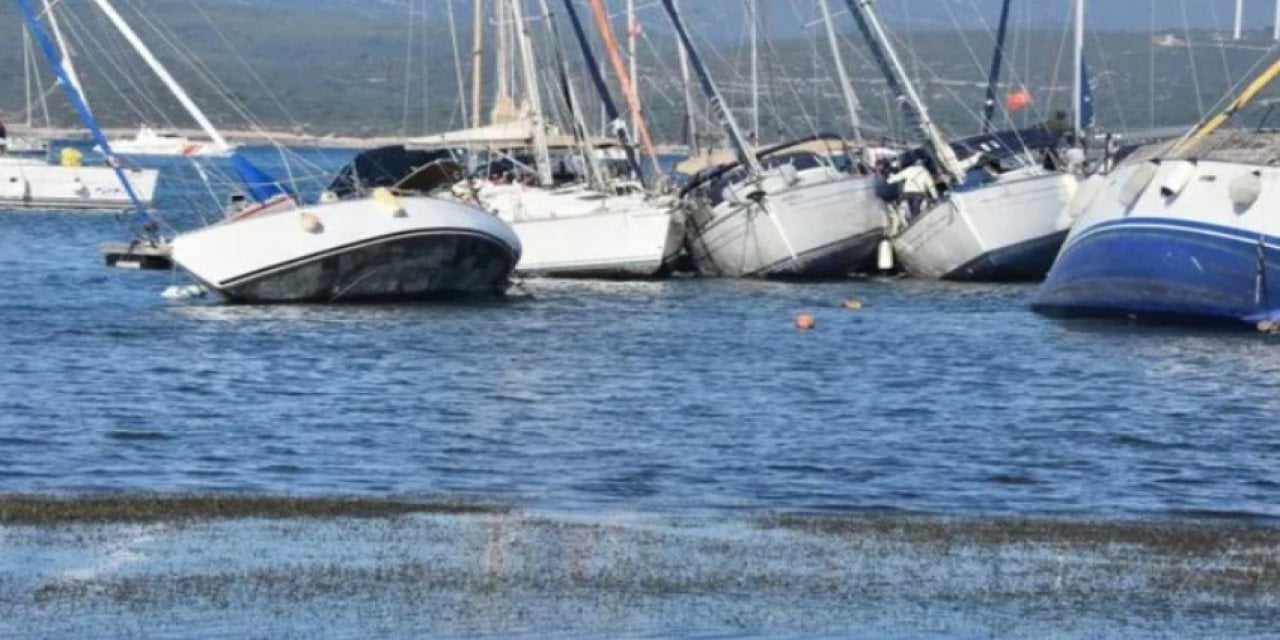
[[139, 254]]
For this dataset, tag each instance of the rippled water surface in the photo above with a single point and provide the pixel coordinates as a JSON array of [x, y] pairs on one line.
[[685, 395]]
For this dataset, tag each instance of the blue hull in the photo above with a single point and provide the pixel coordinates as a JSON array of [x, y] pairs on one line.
[[1025, 262], [1166, 269]]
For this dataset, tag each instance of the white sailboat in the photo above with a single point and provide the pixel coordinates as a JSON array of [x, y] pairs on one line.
[[997, 221], [597, 228], [30, 182], [782, 212], [375, 247], [1184, 231]]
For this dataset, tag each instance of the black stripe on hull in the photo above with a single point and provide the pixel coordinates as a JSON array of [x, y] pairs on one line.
[[431, 265]]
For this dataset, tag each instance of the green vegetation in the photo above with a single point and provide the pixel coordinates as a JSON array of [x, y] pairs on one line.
[[327, 72]]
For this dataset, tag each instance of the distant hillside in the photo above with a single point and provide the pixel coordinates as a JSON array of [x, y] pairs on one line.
[[324, 66]]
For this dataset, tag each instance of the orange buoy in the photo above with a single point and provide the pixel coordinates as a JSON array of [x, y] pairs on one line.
[[805, 321], [1018, 99], [852, 304]]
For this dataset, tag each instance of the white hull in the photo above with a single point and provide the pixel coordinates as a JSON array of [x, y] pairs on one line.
[[29, 183], [1172, 240], [576, 232], [816, 223], [356, 250], [1004, 231]]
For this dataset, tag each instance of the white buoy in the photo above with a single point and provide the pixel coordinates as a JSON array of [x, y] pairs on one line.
[[1245, 189], [884, 255], [389, 201], [1142, 176], [1177, 177]]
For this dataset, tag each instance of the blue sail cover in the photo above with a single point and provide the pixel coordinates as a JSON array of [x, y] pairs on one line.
[[260, 185]]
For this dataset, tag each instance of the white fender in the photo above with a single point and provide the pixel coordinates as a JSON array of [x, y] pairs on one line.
[[1245, 189], [884, 255], [1176, 178], [1137, 182]]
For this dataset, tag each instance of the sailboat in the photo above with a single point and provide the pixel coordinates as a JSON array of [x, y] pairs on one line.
[[374, 247], [1183, 231], [595, 226], [1000, 216], [29, 181], [784, 211]]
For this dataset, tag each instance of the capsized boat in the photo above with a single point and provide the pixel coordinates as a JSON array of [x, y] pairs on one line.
[[159, 142]]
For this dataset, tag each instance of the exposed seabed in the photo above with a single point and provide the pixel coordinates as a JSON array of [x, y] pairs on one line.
[[187, 566]]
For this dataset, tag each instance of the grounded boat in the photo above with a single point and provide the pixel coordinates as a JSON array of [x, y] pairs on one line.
[[1004, 222], [579, 232], [153, 142], [798, 216], [1184, 233], [1000, 214], [785, 212], [378, 248], [36, 184]]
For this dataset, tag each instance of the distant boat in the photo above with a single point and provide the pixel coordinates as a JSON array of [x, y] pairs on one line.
[[36, 184], [1184, 231], [159, 142]]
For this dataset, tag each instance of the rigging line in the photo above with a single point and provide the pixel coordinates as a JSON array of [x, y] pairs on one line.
[[1222, 47], [408, 72], [1109, 78], [457, 64], [1151, 72], [1191, 56], [79, 32], [1052, 91], [221, 89]]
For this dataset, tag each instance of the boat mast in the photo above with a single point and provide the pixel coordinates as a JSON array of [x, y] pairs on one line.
[[846, 88], [997, 61], [53, 54], [160, 70], [1078, 117], [608, 107], [26, 75], [868, 19], [690, 124], [580, 132], [632, 72], [1239, 18], [528, 68], [66, 51], [628, 89], [755, 71], [477, 61], [745, 156], [457, 62]]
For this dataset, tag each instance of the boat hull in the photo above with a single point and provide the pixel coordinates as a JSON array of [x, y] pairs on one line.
[[35, 184], [353, 251], [821, 230], [574, 233], [1191, 257], [1008, 231]]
